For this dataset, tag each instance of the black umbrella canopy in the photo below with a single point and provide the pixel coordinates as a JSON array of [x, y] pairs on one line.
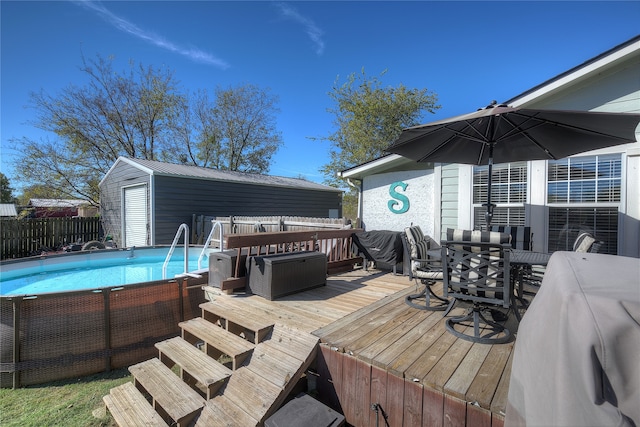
[[514, 134], [501, 134]]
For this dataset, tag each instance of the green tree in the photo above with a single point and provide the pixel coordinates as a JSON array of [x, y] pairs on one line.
[[114, 114], [238, 131], [142, 113], [6, 192], [368, 118]]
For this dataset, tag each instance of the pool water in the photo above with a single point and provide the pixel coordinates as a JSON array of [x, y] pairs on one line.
[[91, 272]]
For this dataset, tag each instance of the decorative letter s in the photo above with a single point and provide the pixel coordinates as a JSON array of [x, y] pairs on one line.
[[401, 198]]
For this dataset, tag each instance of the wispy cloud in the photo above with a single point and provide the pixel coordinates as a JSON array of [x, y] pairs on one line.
[[128, 27], [312, 30]]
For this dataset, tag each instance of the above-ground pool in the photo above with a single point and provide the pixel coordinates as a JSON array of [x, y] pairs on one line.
[[71, 315], [94, 269]]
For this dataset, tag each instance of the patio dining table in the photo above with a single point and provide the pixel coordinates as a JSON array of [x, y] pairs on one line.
[[521, 257], [522, 264], [576, 357]]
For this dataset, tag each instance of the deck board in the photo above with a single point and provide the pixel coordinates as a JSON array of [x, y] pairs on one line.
[[414, 353], [387, 336], [461, 379], [376, 350], [485, 384], [446, 366]]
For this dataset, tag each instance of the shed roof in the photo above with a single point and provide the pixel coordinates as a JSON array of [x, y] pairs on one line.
[[8, 210], [57, 203], [153, 167]]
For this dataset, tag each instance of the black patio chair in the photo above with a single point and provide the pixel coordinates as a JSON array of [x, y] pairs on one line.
[[521, 236], [477, 274], [587, 242], [426, 270]]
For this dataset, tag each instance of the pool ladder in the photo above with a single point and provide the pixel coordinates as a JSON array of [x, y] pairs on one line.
[[184, 228], [218, 225]]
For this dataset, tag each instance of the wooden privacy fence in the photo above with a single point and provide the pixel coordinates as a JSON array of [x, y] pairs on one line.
[[24, 237], [201, 224]]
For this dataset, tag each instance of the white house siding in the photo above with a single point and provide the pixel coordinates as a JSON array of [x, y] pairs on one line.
[[616, 89], [449, 198], [381, 208], [630, 241], [609, 83]]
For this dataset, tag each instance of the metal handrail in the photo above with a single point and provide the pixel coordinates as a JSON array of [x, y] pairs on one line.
[[208, 242], [183, 228]]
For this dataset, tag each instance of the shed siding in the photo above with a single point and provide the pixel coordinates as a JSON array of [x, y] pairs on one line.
[[111, 193], [177, 199], [173, 197]]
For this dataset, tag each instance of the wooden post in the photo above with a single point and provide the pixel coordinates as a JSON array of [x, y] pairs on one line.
[[17, 302], [107, 327]]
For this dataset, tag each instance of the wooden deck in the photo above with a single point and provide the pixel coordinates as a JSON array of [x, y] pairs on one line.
[[381, 358]]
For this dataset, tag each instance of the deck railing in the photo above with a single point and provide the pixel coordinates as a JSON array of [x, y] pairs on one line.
[[336, 244], [236, 224]]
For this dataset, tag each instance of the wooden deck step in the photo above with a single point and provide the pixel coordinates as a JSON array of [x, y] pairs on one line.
[[237, 320], [222, 412], [130, 408], [298, 344], [252, 393], [195, 366], [217, 341], [171, 397], [274, 365]]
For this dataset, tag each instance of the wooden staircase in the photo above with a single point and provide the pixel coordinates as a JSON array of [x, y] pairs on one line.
[[229, 368]]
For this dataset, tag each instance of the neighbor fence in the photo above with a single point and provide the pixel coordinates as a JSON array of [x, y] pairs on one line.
[[25, 237]]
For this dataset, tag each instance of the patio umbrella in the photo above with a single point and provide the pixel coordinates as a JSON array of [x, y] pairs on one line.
[[502, 134]]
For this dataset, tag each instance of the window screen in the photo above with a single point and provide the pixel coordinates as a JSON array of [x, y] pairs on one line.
[[566, 223], [508, 183], [508, 188], [583, 194], [501, 215], [589, 179]]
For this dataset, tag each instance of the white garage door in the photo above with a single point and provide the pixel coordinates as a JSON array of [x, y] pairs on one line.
[[135, 216]]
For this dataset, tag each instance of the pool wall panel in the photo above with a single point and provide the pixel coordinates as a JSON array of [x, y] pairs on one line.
[[74, 334], [61, 333]]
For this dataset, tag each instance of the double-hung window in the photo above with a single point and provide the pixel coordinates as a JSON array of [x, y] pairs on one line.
[[508, 193], [583, 194]]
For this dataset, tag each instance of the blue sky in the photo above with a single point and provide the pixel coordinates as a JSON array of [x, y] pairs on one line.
[[468, 53]]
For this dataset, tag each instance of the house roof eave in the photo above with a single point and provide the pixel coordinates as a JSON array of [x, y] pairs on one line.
[[379, 165], [595, 65]]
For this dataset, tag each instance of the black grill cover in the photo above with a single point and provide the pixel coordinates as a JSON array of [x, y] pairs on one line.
[[381, 246]]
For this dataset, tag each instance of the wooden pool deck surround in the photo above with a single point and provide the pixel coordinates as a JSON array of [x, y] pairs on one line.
[[378, 357]]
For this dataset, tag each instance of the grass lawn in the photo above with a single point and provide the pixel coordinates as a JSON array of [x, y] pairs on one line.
[[73, 402]]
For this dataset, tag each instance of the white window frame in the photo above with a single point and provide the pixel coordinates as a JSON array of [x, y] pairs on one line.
[[568, 204], [475, 205]]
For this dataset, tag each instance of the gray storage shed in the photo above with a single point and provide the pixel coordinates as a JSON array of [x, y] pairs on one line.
[[143, 202]]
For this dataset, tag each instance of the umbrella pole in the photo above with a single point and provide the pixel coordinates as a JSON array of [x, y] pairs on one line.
[[488, 216]]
